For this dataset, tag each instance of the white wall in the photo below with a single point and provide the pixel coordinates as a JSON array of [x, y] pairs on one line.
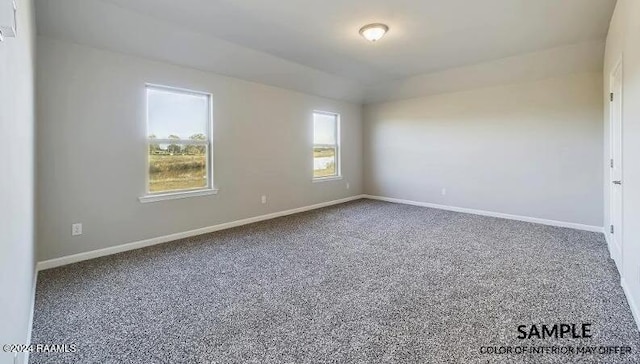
[[92, 150], [17, 182], [529, 67], [106, 25], [624, 40], [530, 149]]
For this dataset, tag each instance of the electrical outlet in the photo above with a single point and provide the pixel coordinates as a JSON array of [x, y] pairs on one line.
[[76, 229], [444, 191], [264, 199], [348, 185]]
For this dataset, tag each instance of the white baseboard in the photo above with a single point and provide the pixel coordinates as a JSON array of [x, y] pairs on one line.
[[572, 225], [57, 262], [632, 303]]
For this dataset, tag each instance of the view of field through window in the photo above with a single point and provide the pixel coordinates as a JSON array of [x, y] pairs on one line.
[[178, 124], [324, 162], [177, 167], [325, 145]]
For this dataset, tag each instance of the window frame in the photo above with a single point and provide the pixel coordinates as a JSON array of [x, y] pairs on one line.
[[209, 189], [337, 146]]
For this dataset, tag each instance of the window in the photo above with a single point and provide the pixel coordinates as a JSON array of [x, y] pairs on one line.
[[326, 145], [179, 141]]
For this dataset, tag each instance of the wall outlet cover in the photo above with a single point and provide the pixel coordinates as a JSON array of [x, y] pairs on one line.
[[76, 229]]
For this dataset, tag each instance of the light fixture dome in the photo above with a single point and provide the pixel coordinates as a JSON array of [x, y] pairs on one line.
[[373, 32]]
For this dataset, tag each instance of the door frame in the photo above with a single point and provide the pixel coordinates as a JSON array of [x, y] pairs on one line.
[[616, 253]]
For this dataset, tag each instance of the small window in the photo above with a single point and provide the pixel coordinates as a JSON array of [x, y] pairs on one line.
[[326, 145], [179, 140]]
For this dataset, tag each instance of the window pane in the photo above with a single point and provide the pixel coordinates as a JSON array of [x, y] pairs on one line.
[[324, 162], [177, 167], [324, 128], [177, 114]]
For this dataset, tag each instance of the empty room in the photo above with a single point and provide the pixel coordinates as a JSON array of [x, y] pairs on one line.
[[295, 181]]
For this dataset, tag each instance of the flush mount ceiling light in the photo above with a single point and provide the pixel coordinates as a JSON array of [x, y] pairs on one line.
[[373, 32]]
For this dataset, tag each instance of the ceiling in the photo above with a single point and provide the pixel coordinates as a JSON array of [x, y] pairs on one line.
[[321, 37]]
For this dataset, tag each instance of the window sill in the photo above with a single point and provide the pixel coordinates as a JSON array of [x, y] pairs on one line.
[[177, 195], [326, 179]]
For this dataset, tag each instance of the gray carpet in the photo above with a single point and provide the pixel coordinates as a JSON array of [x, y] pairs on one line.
[[362, 282]]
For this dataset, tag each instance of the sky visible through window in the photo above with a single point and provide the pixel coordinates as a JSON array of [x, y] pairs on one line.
[[175, 113], [324, 129]]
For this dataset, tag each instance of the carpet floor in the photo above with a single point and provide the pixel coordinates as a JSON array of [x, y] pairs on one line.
[[361, 282]]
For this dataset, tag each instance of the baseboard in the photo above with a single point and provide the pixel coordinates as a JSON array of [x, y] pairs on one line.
[[572, 225], [632, 303], [57, 262]]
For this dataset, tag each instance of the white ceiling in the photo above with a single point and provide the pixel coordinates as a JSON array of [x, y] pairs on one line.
[[320, 39]]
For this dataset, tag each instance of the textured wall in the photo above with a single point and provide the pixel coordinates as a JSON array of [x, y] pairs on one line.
[[92, 149], [17, 182], [531, 149]]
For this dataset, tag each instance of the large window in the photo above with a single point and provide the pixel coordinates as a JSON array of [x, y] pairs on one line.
[[326, 145], [179, 138]]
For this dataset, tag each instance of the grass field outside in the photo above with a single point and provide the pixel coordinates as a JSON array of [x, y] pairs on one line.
[[189, 171], [177, 172], [324, 164]]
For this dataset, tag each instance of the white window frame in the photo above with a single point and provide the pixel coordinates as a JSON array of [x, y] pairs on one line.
[[192, 192], [338, 174]]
